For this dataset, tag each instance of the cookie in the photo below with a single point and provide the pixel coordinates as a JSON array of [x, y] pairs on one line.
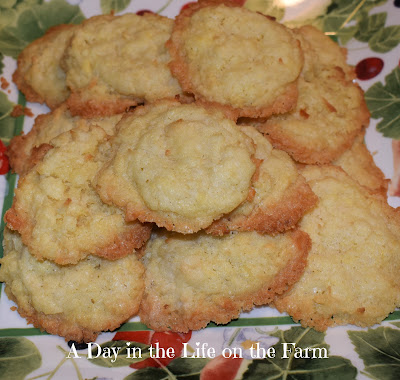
[[74, 301], [352, 271], [58, 213], [180, 166], [280, 195], [39, 75], [242, 61], [191, 280], [24, 150], [330, 110], [359, 164], [114, 62]]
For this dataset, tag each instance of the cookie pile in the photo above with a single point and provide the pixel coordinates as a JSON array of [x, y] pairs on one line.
[[192, 169]]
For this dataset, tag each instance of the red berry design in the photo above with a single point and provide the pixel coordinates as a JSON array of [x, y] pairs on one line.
[[4, 163], [164, 340], [150, 362], [369, 68], [239, 2], [134, 336], [139, 337], [187, 5], [221, 368], [170, 339], [143, 11]]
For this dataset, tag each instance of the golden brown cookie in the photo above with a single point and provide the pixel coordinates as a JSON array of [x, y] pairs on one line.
[[329, 52], [24, 150], [191, 280], [240, 60], [59, 214], [76, 302], [114, 62], [330, 110], [352, 275], [279, 197], [178, 165], [39, 74], [359, 164]]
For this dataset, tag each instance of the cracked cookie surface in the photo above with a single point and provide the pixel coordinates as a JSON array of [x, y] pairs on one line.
[[178, 165]]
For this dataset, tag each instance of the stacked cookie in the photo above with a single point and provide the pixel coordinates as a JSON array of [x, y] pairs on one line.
[[226, 134]]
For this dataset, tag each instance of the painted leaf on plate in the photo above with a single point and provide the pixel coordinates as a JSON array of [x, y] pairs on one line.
[[342, 12], [380, 351], [346, 34], [369, 25], [7, 123], [383, 101], [182, 368], [107, 6], [105, 358], [31, 23], [385, 39], [9, 9], [1, 63], [7, 3], [148, 373], [368, 28], [187, 366], [18, 357], [290, 366]]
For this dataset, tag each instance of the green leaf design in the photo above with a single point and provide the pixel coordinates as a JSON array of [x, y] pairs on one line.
[[10, 8], [187, 366], [287, 366], [346, 34], [267, 7], [179, 368], [380, 351], [341, 12], [383, 102], [8, 3], [148, 373], [113, 5], [385, 39], [18, 357], [369, 25], [105, 357], [1, 63], [7, 123], [31, 23]]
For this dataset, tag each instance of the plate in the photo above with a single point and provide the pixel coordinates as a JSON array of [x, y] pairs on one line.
[[260, 344]]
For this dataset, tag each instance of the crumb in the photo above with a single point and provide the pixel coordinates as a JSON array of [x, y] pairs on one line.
[[21, 111], [28, 112], [17, 111], [4, 83], [13, 308]]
